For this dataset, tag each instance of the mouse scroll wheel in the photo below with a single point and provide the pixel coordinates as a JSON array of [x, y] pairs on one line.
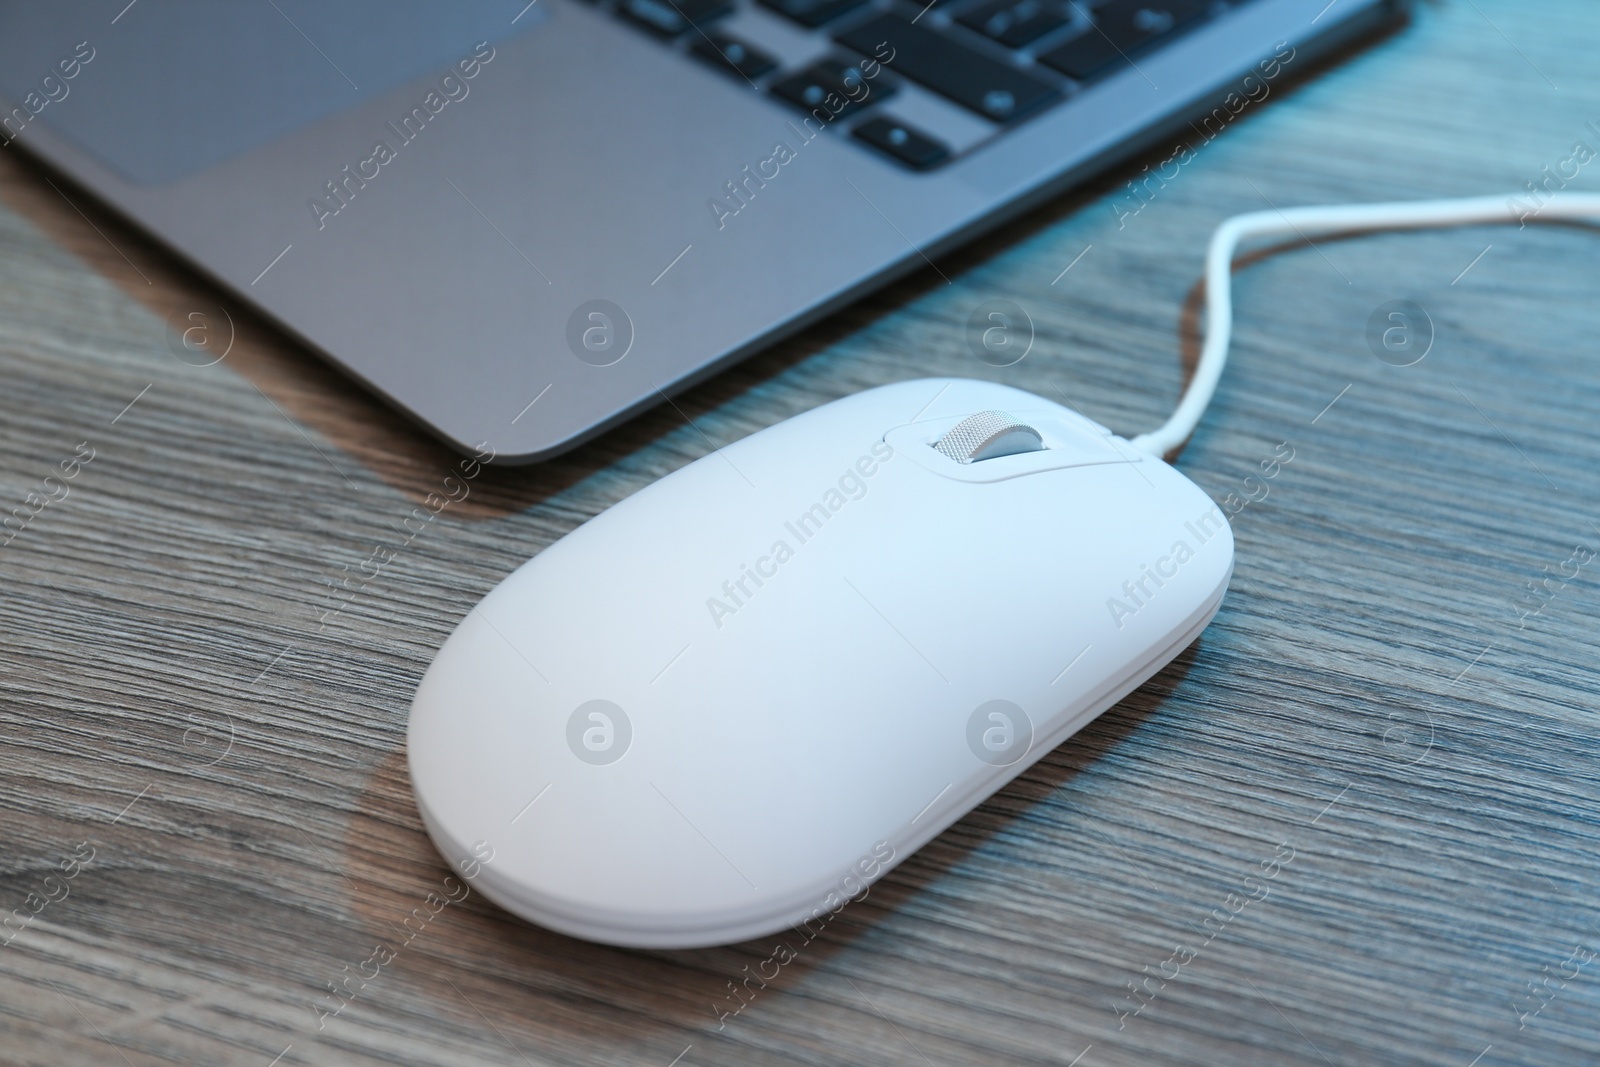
[[988, 435]]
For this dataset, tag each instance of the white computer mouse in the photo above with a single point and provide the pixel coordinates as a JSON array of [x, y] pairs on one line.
[[733, 700]]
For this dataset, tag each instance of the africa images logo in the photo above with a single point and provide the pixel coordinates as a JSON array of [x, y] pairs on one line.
[[851, 485], [453, 88], [1137, 591], [599, 732]]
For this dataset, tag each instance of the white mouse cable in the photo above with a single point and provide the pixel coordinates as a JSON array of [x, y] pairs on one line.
[[1307, 222]]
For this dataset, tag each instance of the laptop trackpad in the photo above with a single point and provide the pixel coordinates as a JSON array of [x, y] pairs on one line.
[[173, 86]]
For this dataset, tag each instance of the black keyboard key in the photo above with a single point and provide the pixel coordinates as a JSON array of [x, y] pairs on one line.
[[1015, 23], [732, 54], [914, 149], [670, 18], [993, 89], [813, 12], [1121, 29], [832, 87]]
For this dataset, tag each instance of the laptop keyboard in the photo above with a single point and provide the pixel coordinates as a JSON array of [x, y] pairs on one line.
[[1003, 61]]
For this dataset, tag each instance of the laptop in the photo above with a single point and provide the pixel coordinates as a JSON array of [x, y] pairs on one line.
[[523, 222]]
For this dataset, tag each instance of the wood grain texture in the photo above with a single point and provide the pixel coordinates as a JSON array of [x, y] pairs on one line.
[[1368, 697]]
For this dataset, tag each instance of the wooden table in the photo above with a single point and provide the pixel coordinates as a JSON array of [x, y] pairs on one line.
[[1402, 764]]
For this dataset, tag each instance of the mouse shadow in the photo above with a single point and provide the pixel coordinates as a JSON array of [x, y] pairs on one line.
[[476, 961]]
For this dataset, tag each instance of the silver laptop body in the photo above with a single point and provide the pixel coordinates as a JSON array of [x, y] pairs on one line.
[[522, 223]]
